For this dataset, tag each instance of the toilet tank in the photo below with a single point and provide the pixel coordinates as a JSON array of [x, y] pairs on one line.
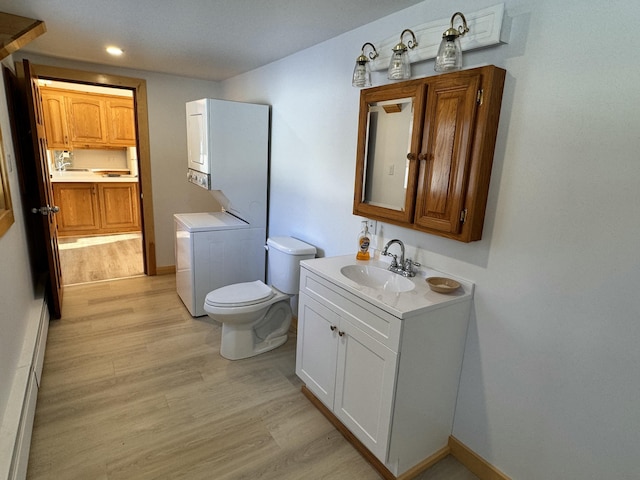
[[285, 254]]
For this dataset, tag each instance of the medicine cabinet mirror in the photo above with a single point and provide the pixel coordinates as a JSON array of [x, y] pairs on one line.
[[385, 179], [425, 151]]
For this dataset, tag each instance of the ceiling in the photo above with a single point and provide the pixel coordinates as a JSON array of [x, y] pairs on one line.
[[207, 39]]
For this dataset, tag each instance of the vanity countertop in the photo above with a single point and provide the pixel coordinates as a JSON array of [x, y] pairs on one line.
[[399, 304], [91, 176]]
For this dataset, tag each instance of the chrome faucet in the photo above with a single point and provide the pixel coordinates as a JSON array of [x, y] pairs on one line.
[[405, 267], [60, 164], [385, 252]]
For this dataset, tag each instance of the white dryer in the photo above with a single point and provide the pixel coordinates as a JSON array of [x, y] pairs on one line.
[[213, 250]]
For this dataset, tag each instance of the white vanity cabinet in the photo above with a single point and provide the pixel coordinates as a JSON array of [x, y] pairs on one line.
[[389, 376], [349, 371]]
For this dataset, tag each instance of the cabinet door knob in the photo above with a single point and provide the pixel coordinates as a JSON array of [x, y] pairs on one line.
[[340, 332], [411, 156], [422, 156], [333, 328]]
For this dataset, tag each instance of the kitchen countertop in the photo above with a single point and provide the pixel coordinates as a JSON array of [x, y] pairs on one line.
[[90, 176], [402, 304]]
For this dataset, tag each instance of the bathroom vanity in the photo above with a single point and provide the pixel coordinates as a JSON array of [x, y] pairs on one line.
[[380, 355]]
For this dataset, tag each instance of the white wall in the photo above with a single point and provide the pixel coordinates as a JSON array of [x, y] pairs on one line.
[[17, 292], [551, 376]]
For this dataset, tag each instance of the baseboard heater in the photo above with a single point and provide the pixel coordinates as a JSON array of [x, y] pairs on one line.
[[17, 420]]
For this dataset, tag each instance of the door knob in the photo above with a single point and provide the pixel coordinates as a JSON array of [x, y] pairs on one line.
[[46, 210]]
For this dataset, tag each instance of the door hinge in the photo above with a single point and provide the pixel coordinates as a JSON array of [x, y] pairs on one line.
[[480, 96], [463, 215]]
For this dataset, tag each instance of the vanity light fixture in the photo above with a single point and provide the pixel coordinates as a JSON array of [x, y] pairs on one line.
[[399, 66], [450, 54], [362, 72]]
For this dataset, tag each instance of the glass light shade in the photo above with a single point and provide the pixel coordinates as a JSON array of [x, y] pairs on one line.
[[399, 66], [361, 74], [449, 54]]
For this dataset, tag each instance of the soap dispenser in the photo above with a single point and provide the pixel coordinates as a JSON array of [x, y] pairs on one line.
[[363, 243]]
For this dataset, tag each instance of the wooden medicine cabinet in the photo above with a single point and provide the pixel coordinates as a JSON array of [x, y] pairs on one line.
[[425, 151]]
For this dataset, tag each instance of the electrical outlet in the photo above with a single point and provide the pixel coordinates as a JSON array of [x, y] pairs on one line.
[[373, 226]]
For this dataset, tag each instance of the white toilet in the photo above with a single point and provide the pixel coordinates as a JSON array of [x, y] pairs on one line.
[[256, 317]]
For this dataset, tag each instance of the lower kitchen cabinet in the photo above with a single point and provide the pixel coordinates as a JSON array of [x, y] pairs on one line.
[[96, 208], [392, 382], [119, 210]]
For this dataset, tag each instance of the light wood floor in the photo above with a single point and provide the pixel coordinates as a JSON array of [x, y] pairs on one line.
[[91, 259], [134, 388]]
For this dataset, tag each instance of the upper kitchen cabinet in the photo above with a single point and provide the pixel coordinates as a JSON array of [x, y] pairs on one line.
[[121, 120], [55, 120], [87, 117], [425, 151], [86, 120]]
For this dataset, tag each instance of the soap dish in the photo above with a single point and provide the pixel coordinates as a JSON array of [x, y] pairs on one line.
[[442, 284]]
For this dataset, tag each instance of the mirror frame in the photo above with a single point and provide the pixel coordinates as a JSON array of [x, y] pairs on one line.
[[416, 90], [6, 213]]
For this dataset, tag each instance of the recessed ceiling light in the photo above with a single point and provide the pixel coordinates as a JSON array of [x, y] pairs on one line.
[[115, 51]]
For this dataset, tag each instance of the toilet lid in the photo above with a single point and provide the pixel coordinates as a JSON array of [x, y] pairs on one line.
[[239, 294]]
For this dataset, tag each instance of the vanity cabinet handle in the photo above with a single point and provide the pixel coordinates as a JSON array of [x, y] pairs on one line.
[[411, 156], [340, 332], [333, 328]]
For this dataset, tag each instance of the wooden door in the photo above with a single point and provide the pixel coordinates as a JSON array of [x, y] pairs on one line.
[[43, 205], [446, 151], [87, 120], [121, 120]]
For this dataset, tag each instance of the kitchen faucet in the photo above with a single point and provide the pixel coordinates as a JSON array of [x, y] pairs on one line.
[[405, 267], [60, 163]]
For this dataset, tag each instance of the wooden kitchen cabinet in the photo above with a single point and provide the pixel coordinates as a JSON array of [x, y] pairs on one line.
[[444, 154], [79, 212], [87, 120], [55, 120], [118, 204], [121, 121], [96, 208]]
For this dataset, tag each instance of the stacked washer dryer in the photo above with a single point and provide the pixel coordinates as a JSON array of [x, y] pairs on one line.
[[228, 153]]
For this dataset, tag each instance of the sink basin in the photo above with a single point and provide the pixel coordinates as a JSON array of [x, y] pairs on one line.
[[375, 277]]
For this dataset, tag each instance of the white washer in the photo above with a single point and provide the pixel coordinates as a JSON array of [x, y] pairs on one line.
[[213, 250]]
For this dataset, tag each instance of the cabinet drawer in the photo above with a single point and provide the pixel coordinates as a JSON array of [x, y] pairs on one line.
[[382, 326]]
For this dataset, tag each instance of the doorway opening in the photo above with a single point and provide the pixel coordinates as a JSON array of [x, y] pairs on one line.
[[92, 156], [122, 249]]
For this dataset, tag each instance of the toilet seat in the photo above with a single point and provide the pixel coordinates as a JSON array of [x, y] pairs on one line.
[[240, 295]]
